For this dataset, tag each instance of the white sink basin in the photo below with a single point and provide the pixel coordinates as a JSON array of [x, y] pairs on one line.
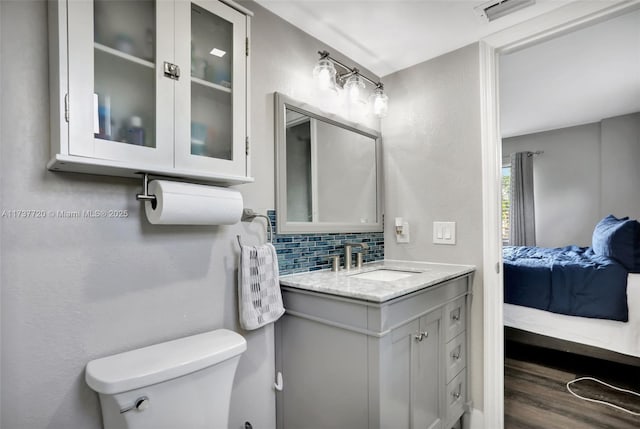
[[385, 275]]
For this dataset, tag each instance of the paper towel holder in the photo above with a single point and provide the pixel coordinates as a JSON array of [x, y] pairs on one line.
[[144, 196]]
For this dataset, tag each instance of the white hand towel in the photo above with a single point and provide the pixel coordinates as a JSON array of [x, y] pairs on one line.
[[259, 296]]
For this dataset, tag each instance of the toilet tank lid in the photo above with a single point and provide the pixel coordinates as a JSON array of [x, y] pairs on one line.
[[162, 362]]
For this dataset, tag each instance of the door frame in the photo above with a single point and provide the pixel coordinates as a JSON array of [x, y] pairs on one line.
[[565, 19]]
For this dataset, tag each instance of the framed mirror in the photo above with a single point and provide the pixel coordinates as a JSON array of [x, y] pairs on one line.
[[328, 171]]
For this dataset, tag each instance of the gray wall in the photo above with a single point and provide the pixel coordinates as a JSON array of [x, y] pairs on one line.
[[346, 163], [77, 289], [433, 171], [620, 158], [299, 204], [566, 182], [585, 173]]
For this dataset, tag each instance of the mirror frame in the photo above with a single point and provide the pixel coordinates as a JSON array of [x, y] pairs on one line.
[[283, 102]]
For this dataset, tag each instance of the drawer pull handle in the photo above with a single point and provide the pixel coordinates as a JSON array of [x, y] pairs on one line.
[[421, 336]]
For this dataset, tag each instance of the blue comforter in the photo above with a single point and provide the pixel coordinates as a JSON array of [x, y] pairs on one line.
[[568, 280]]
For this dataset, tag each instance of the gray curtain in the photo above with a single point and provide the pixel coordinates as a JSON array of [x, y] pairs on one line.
[[522, 212]]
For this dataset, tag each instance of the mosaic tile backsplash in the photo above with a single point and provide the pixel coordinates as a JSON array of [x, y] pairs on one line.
[[299, 253]]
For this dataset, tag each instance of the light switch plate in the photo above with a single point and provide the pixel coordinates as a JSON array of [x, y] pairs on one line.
[[444, 232]]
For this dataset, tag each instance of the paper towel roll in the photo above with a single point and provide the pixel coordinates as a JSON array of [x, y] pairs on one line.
[[188, 204]]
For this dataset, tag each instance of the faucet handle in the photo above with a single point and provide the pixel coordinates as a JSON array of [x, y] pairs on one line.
[[335, 262], [348, 251]]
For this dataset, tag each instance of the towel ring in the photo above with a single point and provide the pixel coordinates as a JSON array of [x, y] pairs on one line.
[[248, 215]]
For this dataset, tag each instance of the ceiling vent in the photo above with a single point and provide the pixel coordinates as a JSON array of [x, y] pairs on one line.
[[498, 8]]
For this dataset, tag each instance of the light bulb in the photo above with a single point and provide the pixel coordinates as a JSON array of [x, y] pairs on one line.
[[354, 93], [324, 79], [379, 103], [324, 72], [354, 88]]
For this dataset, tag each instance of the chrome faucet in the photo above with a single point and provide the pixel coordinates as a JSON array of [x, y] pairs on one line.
[[348, 252]]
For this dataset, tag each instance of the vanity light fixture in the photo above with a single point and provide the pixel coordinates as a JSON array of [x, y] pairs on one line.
[[354, 87], [495, 9], [325, 74], [352, 81], [379, 102]]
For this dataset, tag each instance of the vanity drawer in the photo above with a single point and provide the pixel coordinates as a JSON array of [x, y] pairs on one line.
[[456, 397], [454, 318], [456, 356]]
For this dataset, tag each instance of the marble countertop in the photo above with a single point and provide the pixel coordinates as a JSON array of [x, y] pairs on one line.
[[343, 283]]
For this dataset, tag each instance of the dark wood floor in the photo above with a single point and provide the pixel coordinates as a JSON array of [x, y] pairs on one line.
[[536, 396]]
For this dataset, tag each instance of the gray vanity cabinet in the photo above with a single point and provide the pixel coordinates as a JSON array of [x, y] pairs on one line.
[[413, 375], [325, 376], [351, 363]]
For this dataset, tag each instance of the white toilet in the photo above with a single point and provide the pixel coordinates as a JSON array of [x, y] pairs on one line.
[[185, 383]]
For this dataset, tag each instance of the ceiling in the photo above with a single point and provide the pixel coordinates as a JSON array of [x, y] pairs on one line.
[[389, 35], [581, 77], [578, 78]]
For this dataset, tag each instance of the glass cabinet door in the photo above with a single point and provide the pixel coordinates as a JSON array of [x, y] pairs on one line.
[[120, 102], [211, 98], [124, 71]]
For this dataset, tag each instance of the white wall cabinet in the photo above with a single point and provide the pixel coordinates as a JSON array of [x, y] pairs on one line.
[[349, 363], [150, 86]]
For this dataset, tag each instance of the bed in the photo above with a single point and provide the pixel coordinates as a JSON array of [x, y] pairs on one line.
[[587, 296]]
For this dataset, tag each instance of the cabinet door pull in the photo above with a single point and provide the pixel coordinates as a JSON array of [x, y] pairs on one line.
[[456, 355], [456, 395], [421, 336], [456, 316]]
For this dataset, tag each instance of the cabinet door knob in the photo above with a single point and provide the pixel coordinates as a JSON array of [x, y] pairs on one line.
[[456, 316], [455, 355], [456, 395]]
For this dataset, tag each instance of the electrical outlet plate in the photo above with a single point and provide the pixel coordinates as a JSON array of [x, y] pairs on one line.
[[405, 236]]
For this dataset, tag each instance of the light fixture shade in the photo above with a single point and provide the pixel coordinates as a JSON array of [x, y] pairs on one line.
[[379, 102], [354, 87], [350, 86], [325, 74]]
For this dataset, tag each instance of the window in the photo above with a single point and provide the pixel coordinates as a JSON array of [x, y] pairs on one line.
[[506, 203]]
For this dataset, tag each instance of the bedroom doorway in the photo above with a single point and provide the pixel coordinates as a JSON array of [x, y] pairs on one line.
[[564, 20], [563, 123]]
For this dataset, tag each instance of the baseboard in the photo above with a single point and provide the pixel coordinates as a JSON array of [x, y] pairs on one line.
[[476, 420]]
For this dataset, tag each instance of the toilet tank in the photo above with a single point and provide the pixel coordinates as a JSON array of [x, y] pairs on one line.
[[185, 383]]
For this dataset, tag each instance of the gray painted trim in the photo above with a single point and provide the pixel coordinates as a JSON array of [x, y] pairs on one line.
[[376, 334], [282, 102]]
